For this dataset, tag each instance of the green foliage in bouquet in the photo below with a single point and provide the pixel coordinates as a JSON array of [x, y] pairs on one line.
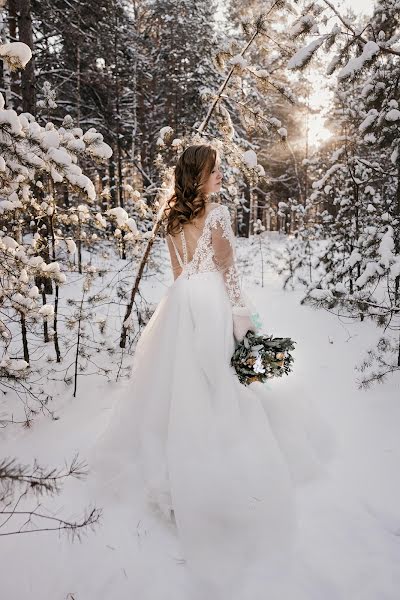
[[261, 357]]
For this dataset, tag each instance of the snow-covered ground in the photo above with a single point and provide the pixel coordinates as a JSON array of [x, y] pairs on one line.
[[348, 544]]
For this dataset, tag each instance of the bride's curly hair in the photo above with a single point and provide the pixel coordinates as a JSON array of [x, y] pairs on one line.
[[192, 171]]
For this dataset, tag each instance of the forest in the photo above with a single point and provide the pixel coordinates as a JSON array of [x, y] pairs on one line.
[[97, 101]]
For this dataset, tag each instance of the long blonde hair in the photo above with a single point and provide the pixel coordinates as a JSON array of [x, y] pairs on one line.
[[192, 172]]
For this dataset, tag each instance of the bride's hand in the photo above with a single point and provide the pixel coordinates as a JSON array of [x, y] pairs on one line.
[[242, 322]]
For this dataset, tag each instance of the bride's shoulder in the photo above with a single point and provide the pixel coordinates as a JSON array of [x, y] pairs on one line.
[[217, 212], [216, 207]]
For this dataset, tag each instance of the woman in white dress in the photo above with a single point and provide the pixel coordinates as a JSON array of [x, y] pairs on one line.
[[211, 459]]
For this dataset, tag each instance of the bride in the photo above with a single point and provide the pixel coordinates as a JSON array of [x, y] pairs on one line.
[[216, 460]]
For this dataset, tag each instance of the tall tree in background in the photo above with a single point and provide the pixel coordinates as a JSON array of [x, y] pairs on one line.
[[182, 40], [361, 272]]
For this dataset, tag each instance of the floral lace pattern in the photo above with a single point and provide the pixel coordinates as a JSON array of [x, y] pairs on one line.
[[206, 257]]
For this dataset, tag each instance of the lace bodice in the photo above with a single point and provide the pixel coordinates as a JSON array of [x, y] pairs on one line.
[[214, 250]]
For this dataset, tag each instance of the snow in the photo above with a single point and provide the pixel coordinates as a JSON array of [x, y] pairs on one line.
[[275, 122], [101, 220], [52, 267], [50, 139], [303, 55], [239, 61], [369, 138], [14, 365], [120, 214], [386, 248], [340, 288], [16, 54], [393, 115], [369, 119], [371, 268], [260, 170], [165, 131], [56, 175], [348, 522], [8, 242], [102, 150], [319, 294], [71, 246], [355, 64], [96, 146], [10, 118], [331, 171], [33, 292], [304, 23], [353, 259], [131, 223], [9, 205], [250, 158], [75, 177], [23, 277], [282, 131], [47, 310], [60, 156]]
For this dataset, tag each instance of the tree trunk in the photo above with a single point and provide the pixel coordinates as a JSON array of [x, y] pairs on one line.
[[111, 171], [55, 316], [27, 74], [247, 209], [24, 338], [12, 89], [45, 325]]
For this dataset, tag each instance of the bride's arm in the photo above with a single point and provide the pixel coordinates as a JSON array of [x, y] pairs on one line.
[[223, 242]]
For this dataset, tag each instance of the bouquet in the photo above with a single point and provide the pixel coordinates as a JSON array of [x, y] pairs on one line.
[[261, 357]]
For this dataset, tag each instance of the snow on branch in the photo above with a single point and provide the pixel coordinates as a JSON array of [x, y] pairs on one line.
[[16, 55], [369, 119], [304, 55], [302, 25], [356, 64]]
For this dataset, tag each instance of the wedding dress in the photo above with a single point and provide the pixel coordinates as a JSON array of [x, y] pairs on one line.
[[215, 457]]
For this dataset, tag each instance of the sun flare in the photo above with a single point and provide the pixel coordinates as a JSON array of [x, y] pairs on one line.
[[317, 132]]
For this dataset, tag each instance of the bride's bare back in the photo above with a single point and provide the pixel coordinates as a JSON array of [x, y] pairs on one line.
[[207, 244]]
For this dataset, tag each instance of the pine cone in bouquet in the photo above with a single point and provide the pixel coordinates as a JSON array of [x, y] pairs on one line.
[[261, 357]]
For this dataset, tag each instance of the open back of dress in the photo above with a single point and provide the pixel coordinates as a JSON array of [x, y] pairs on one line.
[[207, 244], [187, 240]]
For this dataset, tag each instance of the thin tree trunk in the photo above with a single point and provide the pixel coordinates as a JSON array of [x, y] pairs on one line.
[[135, 288], [24, 338], [111, 171], [78, 347], [55, 316], [12, 87], [45, 325], [27, 74], [79, 246]]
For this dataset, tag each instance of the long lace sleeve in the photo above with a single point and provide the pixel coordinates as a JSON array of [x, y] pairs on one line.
[[175, 266], [223, 242]]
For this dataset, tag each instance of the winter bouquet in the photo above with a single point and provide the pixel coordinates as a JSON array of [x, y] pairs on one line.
[[261, 357]]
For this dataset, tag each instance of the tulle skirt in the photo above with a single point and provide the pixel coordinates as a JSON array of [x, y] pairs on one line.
[[225, 458]]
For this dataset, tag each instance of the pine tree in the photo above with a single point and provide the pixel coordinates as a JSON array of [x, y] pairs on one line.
[[361, 220]]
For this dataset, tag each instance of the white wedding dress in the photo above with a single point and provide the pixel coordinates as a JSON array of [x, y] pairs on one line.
[[210, 449]]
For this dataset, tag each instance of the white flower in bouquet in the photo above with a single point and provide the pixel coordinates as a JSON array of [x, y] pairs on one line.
[[258, 367]]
